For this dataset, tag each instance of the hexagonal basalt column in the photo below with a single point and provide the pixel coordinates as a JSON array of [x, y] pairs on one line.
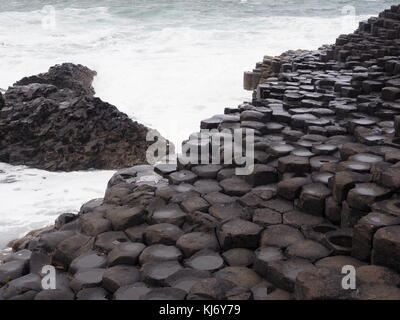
[[386, 247]]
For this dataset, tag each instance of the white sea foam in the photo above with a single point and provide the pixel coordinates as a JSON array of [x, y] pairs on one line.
[[32, 198], [166, 64]]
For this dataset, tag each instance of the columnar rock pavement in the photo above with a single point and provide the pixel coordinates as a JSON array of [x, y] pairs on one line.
[[324, 194]]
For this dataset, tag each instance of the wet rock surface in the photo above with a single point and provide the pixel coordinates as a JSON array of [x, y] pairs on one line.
[[53, 121], [323, 195]]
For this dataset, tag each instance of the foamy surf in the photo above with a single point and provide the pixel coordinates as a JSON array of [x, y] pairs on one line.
[[32, 198]]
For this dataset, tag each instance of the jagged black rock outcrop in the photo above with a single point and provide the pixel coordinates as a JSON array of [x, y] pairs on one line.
[[78, 78], [52, 121]]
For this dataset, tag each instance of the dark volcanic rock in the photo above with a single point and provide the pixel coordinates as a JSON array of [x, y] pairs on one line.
[[239, 257], [240, 276], [119, 276], [88, 260], [210, 289], [239, 233], [320, 284], [283, 273], [386, 247], [12, 270], [66, 76], [205, 260], [156, 273], [185, 278], [87, 279], [132, 292], [52, 121]]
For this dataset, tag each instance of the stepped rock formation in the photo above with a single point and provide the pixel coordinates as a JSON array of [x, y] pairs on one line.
[[324, 194], [52, 121]]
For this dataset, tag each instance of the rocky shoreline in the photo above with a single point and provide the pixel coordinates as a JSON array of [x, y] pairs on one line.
[[324, 194]]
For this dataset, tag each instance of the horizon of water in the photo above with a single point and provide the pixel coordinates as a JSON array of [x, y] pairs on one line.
[[167, 64]]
